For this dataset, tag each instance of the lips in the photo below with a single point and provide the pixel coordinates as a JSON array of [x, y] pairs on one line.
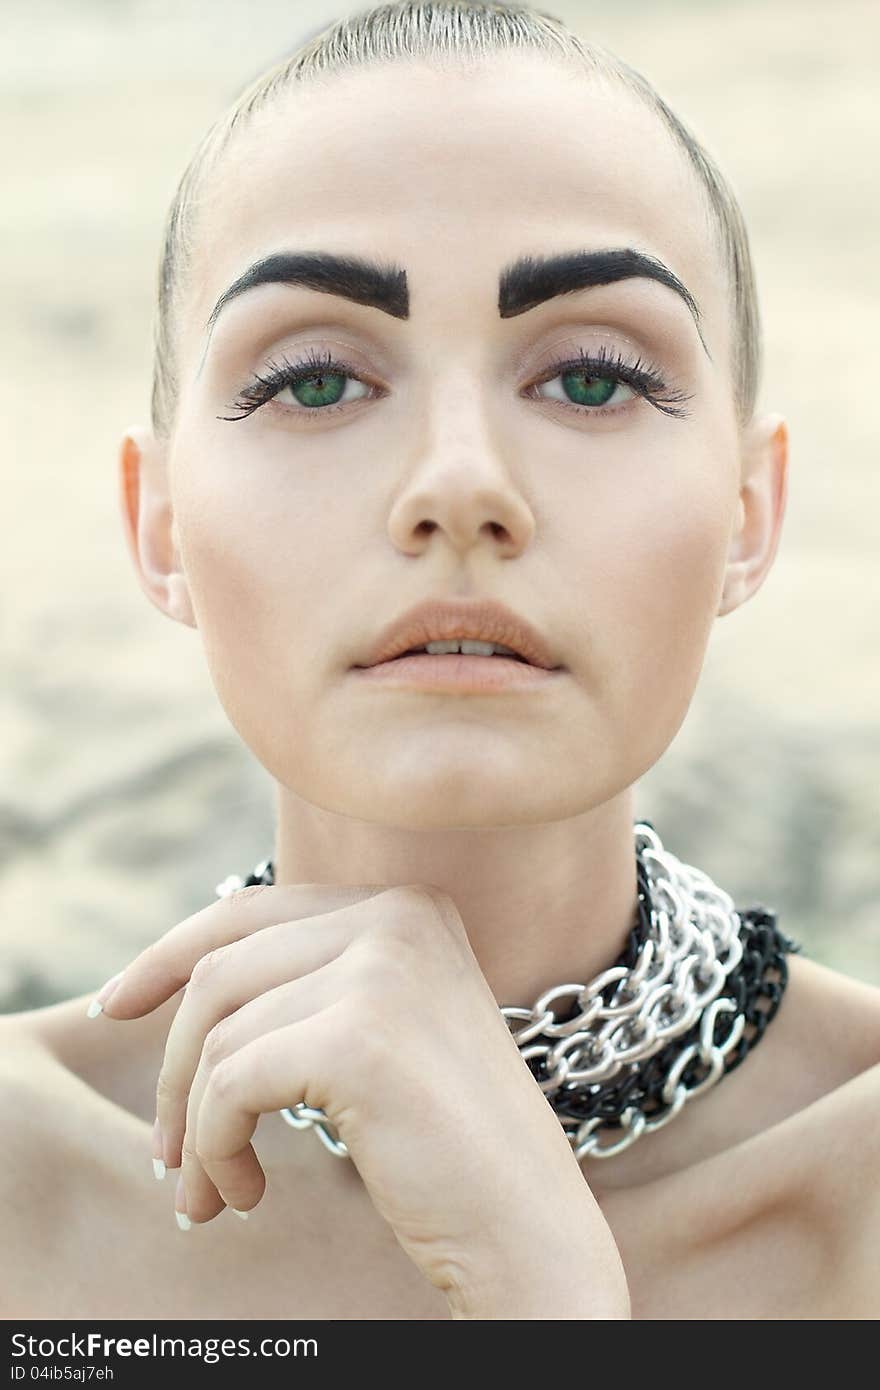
[[482, 620]]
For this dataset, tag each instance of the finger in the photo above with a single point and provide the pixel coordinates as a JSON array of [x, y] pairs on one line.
[[291, 1002], [167, 964], [201, 1200], [217, 1025], [276, 1070]]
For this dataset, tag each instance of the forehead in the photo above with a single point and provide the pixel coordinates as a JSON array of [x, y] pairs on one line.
[[452, 173]]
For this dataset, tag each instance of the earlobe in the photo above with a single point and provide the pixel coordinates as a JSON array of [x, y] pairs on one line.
[[760, 510], [179, 601], [148, 523]]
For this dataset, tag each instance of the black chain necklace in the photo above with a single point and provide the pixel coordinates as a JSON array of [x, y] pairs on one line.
[[755, 987]]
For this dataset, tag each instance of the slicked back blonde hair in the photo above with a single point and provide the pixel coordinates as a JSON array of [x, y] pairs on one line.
[[451, 33]]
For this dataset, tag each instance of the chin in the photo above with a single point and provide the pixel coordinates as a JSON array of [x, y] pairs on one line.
[[462, 799]]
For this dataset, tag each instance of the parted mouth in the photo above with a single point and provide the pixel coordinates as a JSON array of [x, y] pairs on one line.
[[464, 646], [476, 627]]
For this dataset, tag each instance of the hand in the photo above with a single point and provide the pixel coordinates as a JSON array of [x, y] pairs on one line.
[[369, 1003]]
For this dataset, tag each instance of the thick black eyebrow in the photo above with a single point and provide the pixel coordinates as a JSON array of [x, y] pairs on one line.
[[522, 285], [352, 277], [532, 280]]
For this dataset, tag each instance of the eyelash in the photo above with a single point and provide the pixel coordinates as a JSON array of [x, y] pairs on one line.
[[644, 378]]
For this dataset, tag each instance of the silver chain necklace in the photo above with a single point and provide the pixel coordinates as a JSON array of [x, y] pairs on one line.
[[689, 951]]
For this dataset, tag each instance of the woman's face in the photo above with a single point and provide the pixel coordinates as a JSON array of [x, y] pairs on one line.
[[451, 460]]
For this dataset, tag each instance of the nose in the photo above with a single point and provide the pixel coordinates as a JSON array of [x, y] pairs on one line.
[[461, 486]]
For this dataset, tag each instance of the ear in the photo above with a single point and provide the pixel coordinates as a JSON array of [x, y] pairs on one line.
[[761, 508], [149, 524]]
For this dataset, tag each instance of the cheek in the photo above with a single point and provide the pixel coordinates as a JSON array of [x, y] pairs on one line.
[[677, 599], [268, 556], [253, 566], [651, 572], [667, 603]]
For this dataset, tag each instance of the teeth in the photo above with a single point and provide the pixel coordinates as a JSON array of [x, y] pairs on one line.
[[469, 647]]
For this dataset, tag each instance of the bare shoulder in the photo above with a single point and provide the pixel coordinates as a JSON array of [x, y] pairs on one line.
[[25, 1068], [57, 1116], [848, 1007], [32, 1142], [846, 1131], [58, 1080], [60, 1144], [35, 1101], [839, 1133], [833, 1031]]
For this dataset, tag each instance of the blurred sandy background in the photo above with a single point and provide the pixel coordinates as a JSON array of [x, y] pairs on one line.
[[125, 796]]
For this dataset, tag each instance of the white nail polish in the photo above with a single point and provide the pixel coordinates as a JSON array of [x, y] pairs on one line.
[[183, 1220], [158, 1169], [97, 1005], [242, 1214]]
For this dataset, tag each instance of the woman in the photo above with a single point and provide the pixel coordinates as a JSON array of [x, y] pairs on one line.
[[457, 342]]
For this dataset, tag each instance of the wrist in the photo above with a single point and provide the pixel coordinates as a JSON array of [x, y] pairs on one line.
[[545, 1305], [562, 1264], [563, 1294]]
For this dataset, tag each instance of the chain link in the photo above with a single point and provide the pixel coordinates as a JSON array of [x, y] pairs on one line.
[[586, 1142]]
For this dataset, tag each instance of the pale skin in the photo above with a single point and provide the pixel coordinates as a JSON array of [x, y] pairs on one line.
[[438, 855]]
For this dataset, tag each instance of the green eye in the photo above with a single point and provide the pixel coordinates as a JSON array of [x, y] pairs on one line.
[[588, 390], [324, 388], [317, 383], [589, 381]]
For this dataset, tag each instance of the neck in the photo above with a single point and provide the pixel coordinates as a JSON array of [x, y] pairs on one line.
[[542, 904]]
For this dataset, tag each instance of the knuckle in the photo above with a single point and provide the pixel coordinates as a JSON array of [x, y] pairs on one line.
[[443, 911], [409, 894], [242, 896], [441, 901], [188, 1154], [207, 966], [166, 1092], [217, 1043], [405, 913], [224, 1080], [416, 911], [378, 972]]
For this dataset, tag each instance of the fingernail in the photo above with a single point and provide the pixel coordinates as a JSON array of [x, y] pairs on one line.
[[242, 1214], [183, 1220], [158, 1161], [102, 996]]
